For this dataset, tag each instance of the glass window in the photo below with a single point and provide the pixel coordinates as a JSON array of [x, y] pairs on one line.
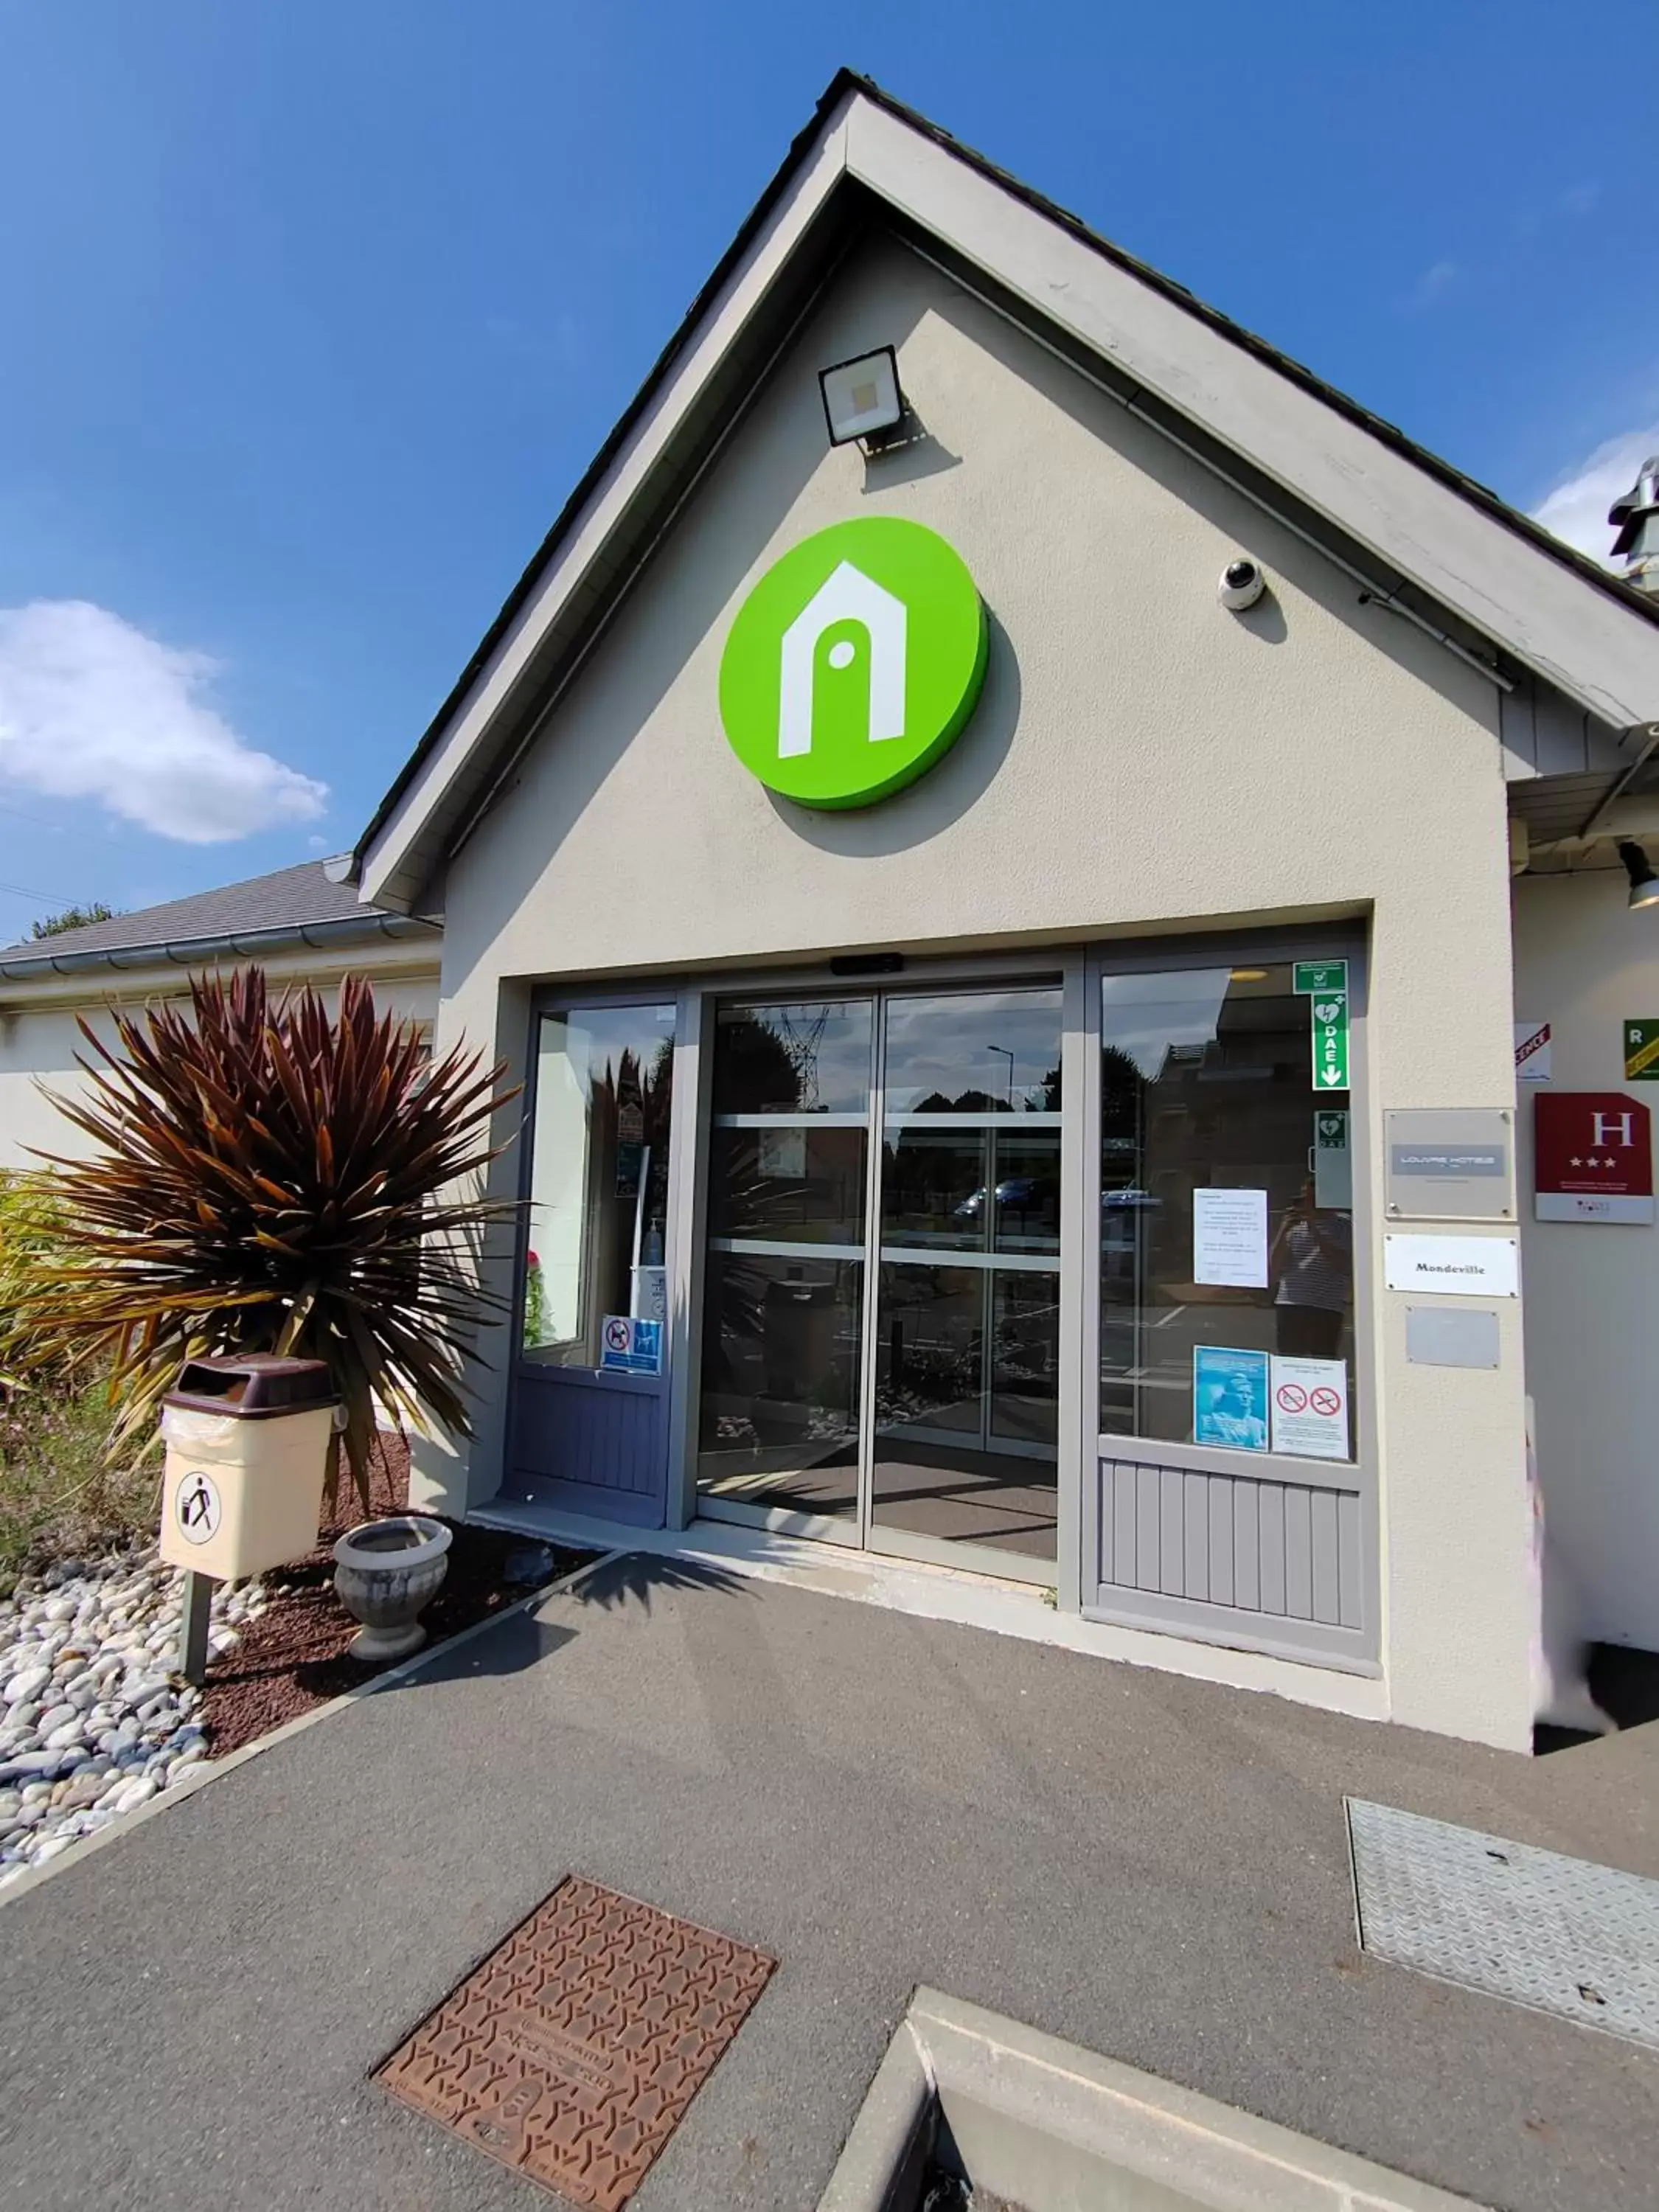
[[967, 1306], [783, 1299], [598, 1177], [1206, 1082], [789, 1184], [974, 1052], [808, 1059], [780, 1341]]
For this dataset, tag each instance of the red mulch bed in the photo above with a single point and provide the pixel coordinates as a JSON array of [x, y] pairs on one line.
[[293, 1657]]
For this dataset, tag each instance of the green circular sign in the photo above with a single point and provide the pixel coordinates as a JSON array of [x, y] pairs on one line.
[[854, 662]]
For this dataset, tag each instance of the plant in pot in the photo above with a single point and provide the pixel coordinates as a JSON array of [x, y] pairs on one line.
[[272, 1176]]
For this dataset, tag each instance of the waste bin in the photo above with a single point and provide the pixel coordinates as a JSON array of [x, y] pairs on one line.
[[246, 1450]]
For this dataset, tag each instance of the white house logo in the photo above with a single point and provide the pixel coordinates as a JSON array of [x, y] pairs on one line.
[[850, 596], [854, 662]]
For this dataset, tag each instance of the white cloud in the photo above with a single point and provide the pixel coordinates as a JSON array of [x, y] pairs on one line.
[[92, 708], [1576, 510], [1439, 278]]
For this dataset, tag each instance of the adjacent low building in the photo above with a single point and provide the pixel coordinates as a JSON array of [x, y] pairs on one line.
[[305, 924]]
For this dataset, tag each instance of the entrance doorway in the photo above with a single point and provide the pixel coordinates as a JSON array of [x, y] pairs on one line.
[[881, 1312]]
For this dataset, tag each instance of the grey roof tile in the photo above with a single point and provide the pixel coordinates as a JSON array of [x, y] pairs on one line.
[[284, 900]]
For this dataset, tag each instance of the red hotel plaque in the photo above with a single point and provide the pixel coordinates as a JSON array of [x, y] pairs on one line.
[[1593, 1156]]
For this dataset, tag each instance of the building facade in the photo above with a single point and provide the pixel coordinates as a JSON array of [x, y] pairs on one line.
[[1043, 1102]]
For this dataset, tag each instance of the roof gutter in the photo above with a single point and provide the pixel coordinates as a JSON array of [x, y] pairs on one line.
[[195, 952]]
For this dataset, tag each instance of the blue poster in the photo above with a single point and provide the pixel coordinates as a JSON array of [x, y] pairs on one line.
[[1229, 1397], [628, 1346]]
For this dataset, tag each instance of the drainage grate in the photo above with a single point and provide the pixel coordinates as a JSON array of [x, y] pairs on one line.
[[573, 2052], [1563, 1935]]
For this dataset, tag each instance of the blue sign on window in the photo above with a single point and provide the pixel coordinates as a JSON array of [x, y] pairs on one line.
[[1229, 1397], [629, 1347]]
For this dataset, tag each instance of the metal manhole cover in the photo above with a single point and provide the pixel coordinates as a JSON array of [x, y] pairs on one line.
[[1562, 1934], [573, 2052]]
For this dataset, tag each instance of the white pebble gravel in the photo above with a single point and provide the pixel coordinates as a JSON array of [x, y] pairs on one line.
[[92, 1725]]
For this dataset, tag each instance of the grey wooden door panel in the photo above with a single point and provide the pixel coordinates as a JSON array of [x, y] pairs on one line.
[[595, 1450], [1292, 1551]]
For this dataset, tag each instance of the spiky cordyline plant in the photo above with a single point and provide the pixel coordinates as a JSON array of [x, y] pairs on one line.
[[270, 1178]]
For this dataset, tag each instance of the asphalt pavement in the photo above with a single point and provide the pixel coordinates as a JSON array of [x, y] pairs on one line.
[[1153, 1868]]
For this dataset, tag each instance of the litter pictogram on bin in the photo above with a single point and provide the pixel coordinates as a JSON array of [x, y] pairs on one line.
[[197, 1508]]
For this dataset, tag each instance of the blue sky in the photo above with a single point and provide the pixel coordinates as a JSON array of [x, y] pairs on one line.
[[315, 309]]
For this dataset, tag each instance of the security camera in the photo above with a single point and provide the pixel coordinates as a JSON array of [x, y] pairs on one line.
[[1241, 585]]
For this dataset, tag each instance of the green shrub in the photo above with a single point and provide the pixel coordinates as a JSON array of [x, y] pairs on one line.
[[60, 1492], [61, 1495], [34, 1235]]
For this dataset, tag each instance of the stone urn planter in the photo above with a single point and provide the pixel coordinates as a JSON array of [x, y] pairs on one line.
[[385, 1572]]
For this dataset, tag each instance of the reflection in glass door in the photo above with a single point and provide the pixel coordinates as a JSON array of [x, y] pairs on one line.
[[967, 1308], [1206, 1085], [783, 1289], [914, 1404]]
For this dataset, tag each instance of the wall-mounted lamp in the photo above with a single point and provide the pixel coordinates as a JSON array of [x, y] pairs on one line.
[[862, 399], [1644, 883]]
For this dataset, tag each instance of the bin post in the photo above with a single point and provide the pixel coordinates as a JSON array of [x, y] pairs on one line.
[[193, 1627]]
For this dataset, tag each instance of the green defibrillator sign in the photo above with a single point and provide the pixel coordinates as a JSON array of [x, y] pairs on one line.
[[854, 663], [1329, 1010]]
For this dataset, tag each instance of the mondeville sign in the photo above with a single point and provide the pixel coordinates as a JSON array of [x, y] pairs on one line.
[[854, 663]]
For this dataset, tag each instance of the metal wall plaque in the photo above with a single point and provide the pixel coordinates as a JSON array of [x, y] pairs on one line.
[[1456, 1267], [1449, 1163], [1451, 1336]]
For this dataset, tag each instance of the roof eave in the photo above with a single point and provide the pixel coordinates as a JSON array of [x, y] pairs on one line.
[[198, 951]]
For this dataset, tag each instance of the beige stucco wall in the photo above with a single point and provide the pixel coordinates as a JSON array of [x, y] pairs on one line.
[[1584, 964], [41, 1036], [1141, 758]]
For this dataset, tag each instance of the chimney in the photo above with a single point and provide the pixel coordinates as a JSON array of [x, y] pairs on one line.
[[1637, 516]]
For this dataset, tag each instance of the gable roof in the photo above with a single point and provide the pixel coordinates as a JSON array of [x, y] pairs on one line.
[[291, 904], [1435, 542]]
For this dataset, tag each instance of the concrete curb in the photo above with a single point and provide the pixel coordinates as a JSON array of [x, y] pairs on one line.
[[1067, 2125], [212, 1770]]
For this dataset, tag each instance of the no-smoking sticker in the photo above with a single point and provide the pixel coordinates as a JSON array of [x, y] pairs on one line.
[[1311, 1408]]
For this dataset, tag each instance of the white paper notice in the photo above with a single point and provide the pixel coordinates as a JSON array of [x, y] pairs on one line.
[[1309, 1402], [780, 1155], [1230, 1237]]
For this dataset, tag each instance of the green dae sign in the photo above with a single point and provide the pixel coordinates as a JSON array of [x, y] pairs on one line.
[[1329, 1014], [854, 663]]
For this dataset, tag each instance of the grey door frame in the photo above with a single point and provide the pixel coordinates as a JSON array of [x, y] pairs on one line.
[[1058, 967], [1350, 1650], [1079, 967], [553, 998]]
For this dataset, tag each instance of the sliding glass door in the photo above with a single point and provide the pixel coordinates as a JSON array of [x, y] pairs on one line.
[[784, 1282], [967, 1306], [881, 1302]]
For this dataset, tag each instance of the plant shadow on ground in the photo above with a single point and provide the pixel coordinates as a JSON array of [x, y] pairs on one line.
[[634, 1578]]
